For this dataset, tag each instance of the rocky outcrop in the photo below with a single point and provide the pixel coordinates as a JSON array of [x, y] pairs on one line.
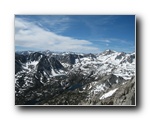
[[125, 95], [78, 92]]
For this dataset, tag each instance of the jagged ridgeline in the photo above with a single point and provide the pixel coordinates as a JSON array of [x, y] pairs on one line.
[[67, 78]]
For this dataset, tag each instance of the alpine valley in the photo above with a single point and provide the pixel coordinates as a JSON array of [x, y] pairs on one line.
[[68, 78]]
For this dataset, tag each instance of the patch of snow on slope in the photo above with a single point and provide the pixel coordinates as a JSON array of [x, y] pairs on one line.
[[32, 63], [61, 72], [108, 94], [53, 73], [65, 65], [99, 88]]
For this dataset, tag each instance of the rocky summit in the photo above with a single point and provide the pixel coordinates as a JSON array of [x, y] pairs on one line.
[[67, 78]]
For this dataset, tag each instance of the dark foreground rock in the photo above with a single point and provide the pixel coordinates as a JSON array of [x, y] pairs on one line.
[[125, 95], [80, 92]]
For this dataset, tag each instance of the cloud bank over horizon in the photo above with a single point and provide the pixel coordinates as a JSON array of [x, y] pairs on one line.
[[30, 35]]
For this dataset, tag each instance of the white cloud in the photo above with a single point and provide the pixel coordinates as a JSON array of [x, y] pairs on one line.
[[107, 44], [55, 23], [107, 41], [30, 35]]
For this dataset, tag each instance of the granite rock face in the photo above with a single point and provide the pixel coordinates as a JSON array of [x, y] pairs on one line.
[[124, 95]]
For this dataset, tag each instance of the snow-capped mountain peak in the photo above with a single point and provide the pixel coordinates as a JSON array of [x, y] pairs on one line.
[[41, 74]]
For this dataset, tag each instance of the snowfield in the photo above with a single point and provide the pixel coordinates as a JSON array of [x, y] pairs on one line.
[[108, 94]]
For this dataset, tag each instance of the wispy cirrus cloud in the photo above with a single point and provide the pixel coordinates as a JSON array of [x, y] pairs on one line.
[[117, 44], [116, 40], [30, 35], [54, 23], [100, 24], [57, 24], [105, 40]]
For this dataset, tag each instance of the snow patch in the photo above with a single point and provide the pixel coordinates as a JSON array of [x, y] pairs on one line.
[[108, 94], [32, 63], [53, 73]]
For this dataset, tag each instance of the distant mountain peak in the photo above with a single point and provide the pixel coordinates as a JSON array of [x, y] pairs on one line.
[[107, 52]]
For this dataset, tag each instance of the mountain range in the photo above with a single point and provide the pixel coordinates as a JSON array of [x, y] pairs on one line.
[[68, 78]]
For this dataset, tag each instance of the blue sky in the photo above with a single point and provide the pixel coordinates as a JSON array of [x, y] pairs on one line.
[[76, 33]]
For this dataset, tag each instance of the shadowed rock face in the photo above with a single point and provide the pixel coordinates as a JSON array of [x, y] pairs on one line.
[[67, 58], [125, 95], [43, 80], [18, 60]]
